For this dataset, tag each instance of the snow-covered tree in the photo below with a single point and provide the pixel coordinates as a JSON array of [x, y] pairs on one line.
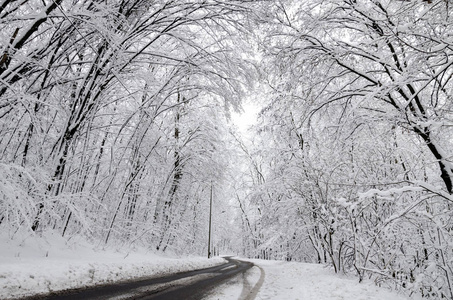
[[356, 132]]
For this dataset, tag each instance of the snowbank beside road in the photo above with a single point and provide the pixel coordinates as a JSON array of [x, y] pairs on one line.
[[42, 265], [291, 281]]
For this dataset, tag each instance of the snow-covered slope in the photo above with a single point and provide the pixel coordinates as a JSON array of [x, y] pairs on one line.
[[34, 265]]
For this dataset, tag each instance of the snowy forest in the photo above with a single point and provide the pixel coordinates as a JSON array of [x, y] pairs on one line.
[[115, 125]]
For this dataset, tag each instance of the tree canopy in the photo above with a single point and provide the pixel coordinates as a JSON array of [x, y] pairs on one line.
[[115, 125]]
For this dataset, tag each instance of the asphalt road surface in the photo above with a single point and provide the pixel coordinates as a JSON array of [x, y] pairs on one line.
[[186, 285]]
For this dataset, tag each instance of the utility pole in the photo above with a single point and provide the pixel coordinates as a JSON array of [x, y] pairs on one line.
[[210, 219]]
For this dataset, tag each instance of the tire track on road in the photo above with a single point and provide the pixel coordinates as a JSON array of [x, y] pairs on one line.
[[249, 293]]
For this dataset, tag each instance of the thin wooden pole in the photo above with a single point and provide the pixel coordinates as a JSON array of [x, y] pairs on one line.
[[210, 222]]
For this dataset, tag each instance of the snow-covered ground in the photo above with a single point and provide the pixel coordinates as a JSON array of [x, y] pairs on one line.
[[34, 265], [290, 281], [40, 265]]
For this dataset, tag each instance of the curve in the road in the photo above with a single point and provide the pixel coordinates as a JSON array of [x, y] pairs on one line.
[[189, 285], [199, 288]]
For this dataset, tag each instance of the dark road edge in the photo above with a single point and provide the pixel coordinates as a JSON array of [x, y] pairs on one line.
[[193, 291]]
